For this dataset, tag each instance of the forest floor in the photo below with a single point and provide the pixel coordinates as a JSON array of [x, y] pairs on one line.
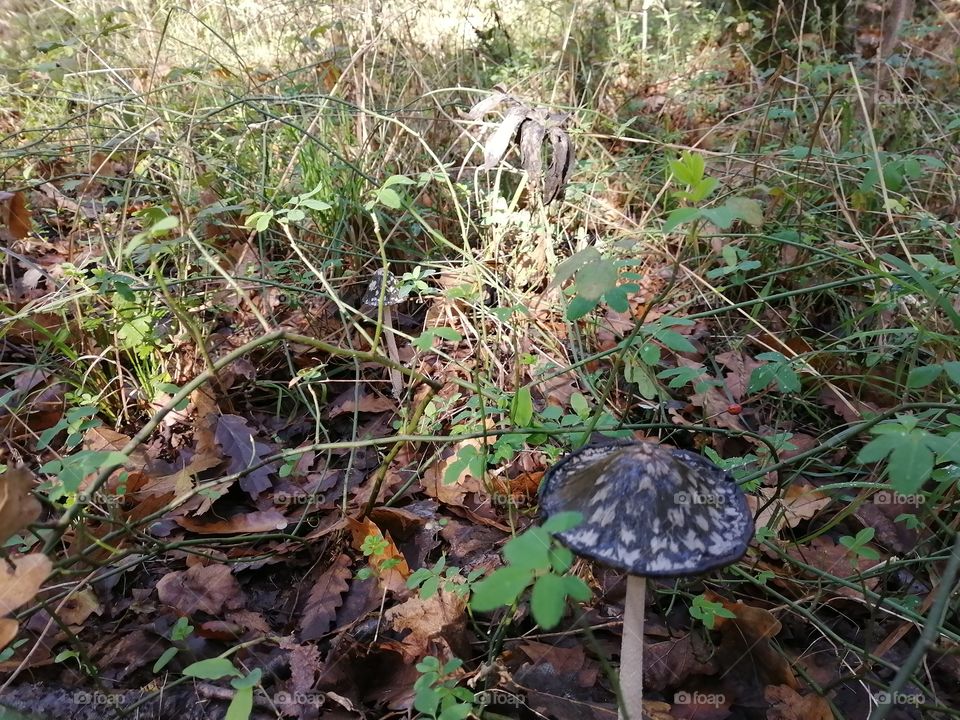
[[301, 301]]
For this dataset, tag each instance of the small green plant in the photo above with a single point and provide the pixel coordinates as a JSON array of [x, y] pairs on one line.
[[436, 692], [216, 668], [375, 546], [857, 546], [428, 580], [292, 212], [910, 450], [778, 371], [181, 630], [707, 611], [534, 558]]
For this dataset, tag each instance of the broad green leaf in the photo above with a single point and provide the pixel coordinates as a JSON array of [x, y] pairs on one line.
[[878, 448], [164, 659], [241, 705], [548, 600], [211, 669], [595, 279], [529, 550], [576, 588], [924, 375], [679, 217], [521, 408], [562, 521], [398, 180], [746, 209], [390, 198], [248, 681], [500, 588], [579, 307], [910, 464]]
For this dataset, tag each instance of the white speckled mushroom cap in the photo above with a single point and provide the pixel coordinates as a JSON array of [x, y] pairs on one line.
[[649, 510]]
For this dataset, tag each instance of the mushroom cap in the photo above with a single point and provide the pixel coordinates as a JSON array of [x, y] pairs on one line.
[[649, 510]]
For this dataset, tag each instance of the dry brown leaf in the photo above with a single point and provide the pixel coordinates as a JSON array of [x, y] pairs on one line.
[[8, 631], [826, 555], [243, 451], [325, 597], [668, 664], [14, 214], [741, 366], [799, 502], [787, 704], [438, 616], [392, 578], [20, 583], [253, 522], [209, 588], [18, 506], [747, 638], [78, 607], [181, 482], [452, 493], [347, 402]]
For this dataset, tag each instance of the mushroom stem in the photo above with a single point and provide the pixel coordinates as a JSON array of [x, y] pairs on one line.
[[631, 651]]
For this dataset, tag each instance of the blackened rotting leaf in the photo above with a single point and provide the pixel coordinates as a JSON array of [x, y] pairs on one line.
[[375, 290], [530, 128], [561, 165], [649, 510]]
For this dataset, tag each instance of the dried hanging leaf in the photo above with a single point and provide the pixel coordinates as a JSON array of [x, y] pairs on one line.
[[326, 596], [530, 128], [18, 506], [499, 142], [561, 165]]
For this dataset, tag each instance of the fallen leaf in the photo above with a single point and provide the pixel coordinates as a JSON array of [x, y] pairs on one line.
[[834, 559], [787, 704], [452, 491], [391, 575], [669, 663], [14, 214], [253, 522], [78, 607], [206, 588], [8, 631], [797, 503], [442, 615], [348, 402], [20, 583], [746, 638], [243, 451], [325, 597]]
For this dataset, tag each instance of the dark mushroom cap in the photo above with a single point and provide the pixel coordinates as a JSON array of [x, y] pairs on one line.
[[649, 510]]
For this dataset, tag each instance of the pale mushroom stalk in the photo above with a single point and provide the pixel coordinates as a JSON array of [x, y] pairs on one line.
[[649, 511], [631, 649]]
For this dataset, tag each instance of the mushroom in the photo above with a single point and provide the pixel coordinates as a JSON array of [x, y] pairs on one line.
[[650, 511], [383, 289]]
